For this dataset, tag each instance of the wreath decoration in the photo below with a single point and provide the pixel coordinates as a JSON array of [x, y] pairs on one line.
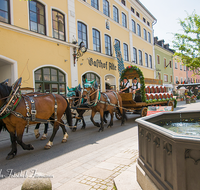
[[132, 68]]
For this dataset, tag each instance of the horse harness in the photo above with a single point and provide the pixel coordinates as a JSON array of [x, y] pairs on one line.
[[107, 102], [13, 101]]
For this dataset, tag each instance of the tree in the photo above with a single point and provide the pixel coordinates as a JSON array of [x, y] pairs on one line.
[[187, 44]]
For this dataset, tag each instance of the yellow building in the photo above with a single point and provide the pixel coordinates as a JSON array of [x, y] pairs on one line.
[[37, 41]]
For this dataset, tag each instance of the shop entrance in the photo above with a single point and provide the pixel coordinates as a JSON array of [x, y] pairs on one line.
[[110, 82]]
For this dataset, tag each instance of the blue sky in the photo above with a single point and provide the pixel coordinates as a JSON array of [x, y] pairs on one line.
[[168, 13]]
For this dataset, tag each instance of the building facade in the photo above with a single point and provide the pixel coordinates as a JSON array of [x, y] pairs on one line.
[[38, 41], [164, 63]]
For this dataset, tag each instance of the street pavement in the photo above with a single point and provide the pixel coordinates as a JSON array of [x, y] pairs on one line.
[[113, 164]]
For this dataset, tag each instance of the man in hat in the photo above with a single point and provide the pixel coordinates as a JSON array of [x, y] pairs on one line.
[[135, 89], [125, 86]]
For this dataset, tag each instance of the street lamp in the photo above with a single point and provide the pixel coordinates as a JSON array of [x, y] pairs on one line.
[[79, 52]]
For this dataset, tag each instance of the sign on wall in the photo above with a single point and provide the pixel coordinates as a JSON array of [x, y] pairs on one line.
[[98, 63]]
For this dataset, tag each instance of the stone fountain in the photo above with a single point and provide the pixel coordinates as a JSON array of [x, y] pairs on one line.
[[169, 159]]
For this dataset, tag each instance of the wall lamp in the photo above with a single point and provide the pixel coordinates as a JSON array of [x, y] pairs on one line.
[[79, 52]]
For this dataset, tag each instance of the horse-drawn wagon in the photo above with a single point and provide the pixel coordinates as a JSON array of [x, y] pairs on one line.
[[150, 96]]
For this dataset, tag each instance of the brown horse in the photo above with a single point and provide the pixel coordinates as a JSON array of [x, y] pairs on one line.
[[102, 102], [46, 106]]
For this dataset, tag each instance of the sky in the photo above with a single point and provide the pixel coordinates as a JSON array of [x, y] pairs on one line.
[[168, 13]]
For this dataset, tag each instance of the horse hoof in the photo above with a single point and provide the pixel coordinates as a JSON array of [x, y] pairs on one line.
[[64, 140], [73, 129], [37, 136], [43, 138], [31, 147], [47, 147], [9, 157], [82, 127]]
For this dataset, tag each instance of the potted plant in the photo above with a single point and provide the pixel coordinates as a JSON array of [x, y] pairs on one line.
[[193, 99], [187, 99]]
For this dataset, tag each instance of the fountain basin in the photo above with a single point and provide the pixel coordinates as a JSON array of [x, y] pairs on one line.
[[170, 160]]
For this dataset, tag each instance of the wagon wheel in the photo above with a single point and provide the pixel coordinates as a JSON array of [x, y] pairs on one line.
[[118, 115], [143, 111], [170, 103]]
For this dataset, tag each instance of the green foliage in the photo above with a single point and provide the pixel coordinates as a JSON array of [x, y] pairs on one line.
[[142, 84], [187, 44]]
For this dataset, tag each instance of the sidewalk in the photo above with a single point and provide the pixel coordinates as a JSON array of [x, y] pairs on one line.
[[104, 168]]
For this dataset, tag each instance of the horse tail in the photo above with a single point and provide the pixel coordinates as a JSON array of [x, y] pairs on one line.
[[121, 110], [68, 113], [2, 126]]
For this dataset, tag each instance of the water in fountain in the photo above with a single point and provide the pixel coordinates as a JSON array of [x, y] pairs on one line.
[[184, 128]]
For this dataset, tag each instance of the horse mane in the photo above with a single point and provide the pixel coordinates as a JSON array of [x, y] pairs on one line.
[[4, 90]]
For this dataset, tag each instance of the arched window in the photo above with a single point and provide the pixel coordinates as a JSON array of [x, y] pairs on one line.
[[4, 11], [58, 25], [37, 17], [91, 76], [50, 80], [82, 33]]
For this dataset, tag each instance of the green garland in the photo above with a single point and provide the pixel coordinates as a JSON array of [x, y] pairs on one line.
[[131, 68]]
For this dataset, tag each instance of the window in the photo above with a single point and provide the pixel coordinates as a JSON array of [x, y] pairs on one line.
[[133, 26], [176, 65], [140, 57], [132, 10], [107, 45], [123, 2], [37, 17], [4, 11], [159, 76], [138, 30], [181, 80], [124, 20], [176, 80], [165, 78], [91, 76], [95, 4], [184, 68], [144, 20], [180, 66], [171, 79], [170, 64], [117, 41], [149, 37], [135, 55], [125, 52], [50, 80], [106, 8], [146, 60], [58, 25], [138, 14], [115, 14], [145, 34], [158, 59], [148, 23], [82, 33], [96, 40], [165, 64], [150, 61]]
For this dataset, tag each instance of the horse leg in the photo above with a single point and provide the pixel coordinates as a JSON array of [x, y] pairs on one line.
[[91, 118], [20, 132], [50, 143], [65, 137], [81, 115], [36, 131], [44, 136], [101, 117], [13, 152], [111, 120]]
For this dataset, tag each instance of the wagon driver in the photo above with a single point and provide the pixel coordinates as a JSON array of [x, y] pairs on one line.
[[125, 86], [135, 86]]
